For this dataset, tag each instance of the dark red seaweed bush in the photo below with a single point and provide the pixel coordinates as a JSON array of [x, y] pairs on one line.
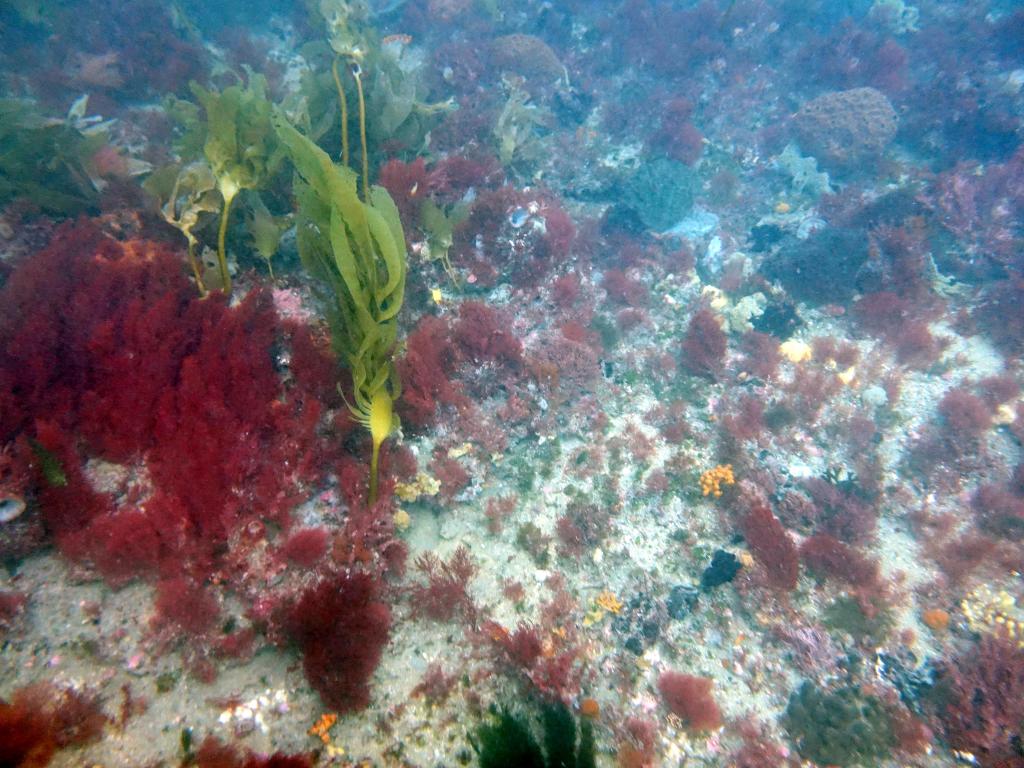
[[184, 607], [445, 592], [427, 370], [704, 345], [999, 510], [213, 754], [481, 334], [42, 718], [985, 704], [827, 557], [772, 547], [341, 626], [305, 547], [689, 698], [965, 415], [135, 367]]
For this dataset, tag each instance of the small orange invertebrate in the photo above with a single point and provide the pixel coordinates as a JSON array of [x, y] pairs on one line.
[[590, 708], [712, 480], [608, 601], [936, 619], [321, 727]]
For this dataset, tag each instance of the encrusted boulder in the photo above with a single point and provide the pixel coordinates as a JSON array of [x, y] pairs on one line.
[[844, 129]]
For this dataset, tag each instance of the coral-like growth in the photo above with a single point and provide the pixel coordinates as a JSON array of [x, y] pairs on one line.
[[523, 646], [368, 538], [559, 230], [341, 626], [127, 544], [996, 390], [624, 289], [881, 312], [901, 260], [1000, 510], [436, 685], [522, 251], [758, 750], [12, 605], [704, 345], [582, 527], [67, 500], [689, 698], [547, 655], [916, 345], [119, 301], [981, 205], [953, 443], [408, 186], [450, 472], [228, 382], [771, 546], [639, 744], [565, 290], [313, 365], [747, 421], [965, 415], [677, 136], [996, 314], [842, 510], [761, 355]]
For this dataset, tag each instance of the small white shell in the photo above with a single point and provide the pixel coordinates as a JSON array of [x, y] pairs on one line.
[[11, 507]]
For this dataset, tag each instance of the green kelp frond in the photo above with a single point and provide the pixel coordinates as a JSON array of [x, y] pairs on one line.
[[439, 224], [186, 195], [265, 229], [46, 160], [345, 21], [358, 250], [241, 147]]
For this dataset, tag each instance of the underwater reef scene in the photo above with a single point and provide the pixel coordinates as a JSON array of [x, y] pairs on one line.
[[439, 383]]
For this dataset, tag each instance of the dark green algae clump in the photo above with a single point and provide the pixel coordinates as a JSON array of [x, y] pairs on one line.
[[507, 740], [844, 728]]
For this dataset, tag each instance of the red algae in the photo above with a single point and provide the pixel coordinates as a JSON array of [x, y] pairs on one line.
[[341, 627], [445, 594], [609, 229], [704, 345], [689, 698], [305, 547], [771, 547]]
